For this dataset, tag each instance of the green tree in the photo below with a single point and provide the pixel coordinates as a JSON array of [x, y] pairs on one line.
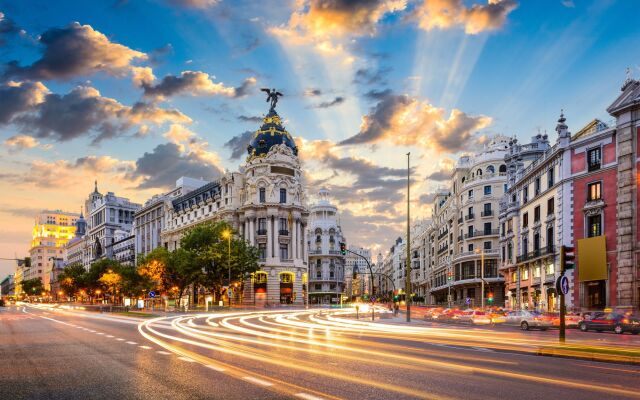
[[153, 269], [32, 287], [182, 270], [96, 270], [72, 279]]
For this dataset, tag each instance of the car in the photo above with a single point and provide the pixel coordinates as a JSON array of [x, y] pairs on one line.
[[528, 320], [616, 322], [570, 320]]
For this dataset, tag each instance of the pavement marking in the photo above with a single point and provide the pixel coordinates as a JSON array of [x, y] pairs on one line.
[[132, 343], [120, 339], [187, 359], [164, 353], [109, 336], [99, 333], [482, 349], [215, 368], [257, 381], [145, 347], [308, 396], [92, 331]]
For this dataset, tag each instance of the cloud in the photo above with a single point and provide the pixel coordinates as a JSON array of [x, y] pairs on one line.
[[23, 212], [161, 167], [98, 164], [17, 97], [76, 50], [312, 92], [238, 144], [568, 3], [440, 175], [80, 112], [366, 76], [18, 143], [197, 4], [7, 28], [178, 133], [444, 14], [377, 94], [326, 104], [194, 83], [249, 118], [406, 121]]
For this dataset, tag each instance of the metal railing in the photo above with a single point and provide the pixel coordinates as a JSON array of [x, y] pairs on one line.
[[469, 216], [544, 251], [487, 213]]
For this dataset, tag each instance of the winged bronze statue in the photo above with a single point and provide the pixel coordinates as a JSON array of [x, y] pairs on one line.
[[272, 96]]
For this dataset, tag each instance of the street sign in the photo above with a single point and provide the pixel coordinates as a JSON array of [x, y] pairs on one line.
[[562, 284], [152, 294], [468, 300]]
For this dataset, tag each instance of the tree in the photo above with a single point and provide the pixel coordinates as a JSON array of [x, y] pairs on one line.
[[153, 269], [32, 287], [72, 279], [96, 270], [182, 270], [112, 282]]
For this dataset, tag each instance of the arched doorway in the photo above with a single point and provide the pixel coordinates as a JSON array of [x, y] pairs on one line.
[[286, 288], [260, 287]]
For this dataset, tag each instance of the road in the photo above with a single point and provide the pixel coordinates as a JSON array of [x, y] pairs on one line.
[[310, 355]]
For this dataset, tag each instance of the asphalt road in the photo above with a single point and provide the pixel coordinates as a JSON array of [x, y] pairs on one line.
[[47, 354]]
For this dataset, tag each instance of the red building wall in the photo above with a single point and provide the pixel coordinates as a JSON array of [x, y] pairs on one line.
[[609, 180]]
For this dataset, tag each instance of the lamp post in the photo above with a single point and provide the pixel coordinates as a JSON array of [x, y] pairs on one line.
[[481, 251], [227, 235]]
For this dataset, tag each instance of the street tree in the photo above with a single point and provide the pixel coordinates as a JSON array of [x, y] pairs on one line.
[[32, 287], [72, 279]]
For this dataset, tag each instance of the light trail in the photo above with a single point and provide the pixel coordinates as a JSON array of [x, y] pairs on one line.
[[250, 335]]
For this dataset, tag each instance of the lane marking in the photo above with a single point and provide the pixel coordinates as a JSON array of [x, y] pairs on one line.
[[215, 367], [145, 347], [120, 339], [187, 359], [99, 333], [164, 353], [308, 396], [132, 343], [482, 349], [257, 381], [109, 336]]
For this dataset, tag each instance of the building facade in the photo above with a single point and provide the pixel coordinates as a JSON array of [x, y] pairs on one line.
[[326, 263], [356, 266], [7, 286], [51, 232], [265, 203]]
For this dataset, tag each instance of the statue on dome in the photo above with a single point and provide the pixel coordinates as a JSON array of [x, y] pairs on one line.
[[272, 96]]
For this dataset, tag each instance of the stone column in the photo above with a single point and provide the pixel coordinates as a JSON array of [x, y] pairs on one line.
[[269, 237], [252, 231], [294, 236]]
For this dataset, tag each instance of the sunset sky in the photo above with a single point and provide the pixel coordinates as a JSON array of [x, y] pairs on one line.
[[136, 93]]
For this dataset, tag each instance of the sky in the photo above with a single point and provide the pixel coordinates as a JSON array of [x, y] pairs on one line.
[[136, 93]]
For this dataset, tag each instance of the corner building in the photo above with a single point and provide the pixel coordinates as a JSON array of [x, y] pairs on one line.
[[265, 203]]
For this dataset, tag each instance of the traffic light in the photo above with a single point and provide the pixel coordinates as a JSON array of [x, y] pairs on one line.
[[343, 248], [449, 275], [490, 298], [568, 257], [27, 262]]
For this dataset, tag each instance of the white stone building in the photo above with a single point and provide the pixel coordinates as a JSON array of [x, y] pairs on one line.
[[326, 263], [265, 203]]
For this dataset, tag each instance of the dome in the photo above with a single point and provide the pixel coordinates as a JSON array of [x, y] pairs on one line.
[[270, 134]]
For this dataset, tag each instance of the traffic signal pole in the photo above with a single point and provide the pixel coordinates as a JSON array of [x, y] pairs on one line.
[[344, 251], [407, 281], [563, 307]]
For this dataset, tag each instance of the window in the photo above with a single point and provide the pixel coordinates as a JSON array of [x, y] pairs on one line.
[[470, 247], [262, 251], [283, 224], [524, 273], [550, 269], [594, 225], [318, 286], [487, 210], [487, 228], [283, 196], [550, 178], [491, 169], [470, 194], [594, 158], [536, 214], [525, 220], [525, 246], [284, 252], [487, 245], [514, 277], [509, 251], [286, 278], [487, 190], [263, 195], [594, 191], [537, 186], [536, 242], [319, 272], [550, 206], [550, 239], [536, 271], [470, 215], [262, 226], [525, 195]]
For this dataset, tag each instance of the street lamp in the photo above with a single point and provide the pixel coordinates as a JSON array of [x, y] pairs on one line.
[[481, 251], [226, 234]]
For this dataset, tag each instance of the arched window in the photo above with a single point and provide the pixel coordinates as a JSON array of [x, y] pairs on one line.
[[479, 172], [503, 168], [491, 169], [463, 179]]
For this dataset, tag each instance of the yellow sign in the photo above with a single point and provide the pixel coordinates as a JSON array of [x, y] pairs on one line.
[[592, 259]]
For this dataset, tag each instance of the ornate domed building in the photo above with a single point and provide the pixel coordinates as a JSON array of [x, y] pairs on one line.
[[265, 202]]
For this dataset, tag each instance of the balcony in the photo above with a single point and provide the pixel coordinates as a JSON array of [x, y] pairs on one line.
[[283, 232], [443, 234], [459, 238], [460, 220], [545, 251], [443, 250], [478, 233], [469, 217], [487, 213], [261, 232]]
